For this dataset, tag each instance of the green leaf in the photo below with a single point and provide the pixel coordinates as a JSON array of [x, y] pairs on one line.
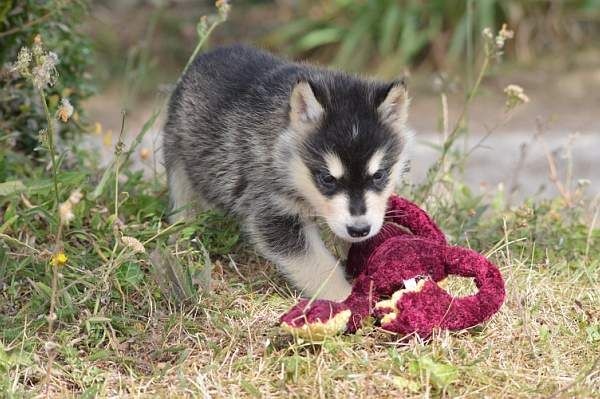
[[487, 14], [130, 275], [10, 359], [440, 374], [544, 333], [593, 333], [219, 233], [319, 38], [250, 389], [291, 31], [591, 5], [11, 187], [352, 42], [172, 277], [8, 223], [204, 277], [459, 38], [390, 28], [4, 10], [413, 38], [404, 383]]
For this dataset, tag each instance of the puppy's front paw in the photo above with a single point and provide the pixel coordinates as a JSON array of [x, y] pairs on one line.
[[317, 320], [335, 290]]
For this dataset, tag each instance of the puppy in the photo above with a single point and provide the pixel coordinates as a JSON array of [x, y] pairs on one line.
[[284, 146]]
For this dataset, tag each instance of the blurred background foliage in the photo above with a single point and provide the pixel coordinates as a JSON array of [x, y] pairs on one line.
[[391, 34], [132, 47], [57, 22], [386, 37]]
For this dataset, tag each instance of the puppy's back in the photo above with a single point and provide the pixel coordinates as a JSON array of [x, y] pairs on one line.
[[223, 116]]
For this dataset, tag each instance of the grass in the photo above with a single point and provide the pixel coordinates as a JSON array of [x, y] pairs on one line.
[[194, 311], [118, 334]]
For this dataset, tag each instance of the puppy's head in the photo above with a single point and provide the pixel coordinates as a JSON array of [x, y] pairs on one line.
[[349, 141]]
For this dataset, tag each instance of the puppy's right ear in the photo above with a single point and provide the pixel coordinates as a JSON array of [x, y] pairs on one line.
[[305, 110], [393, 107]]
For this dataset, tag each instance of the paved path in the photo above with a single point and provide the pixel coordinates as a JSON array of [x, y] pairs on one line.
[[500, 159], [567, 104]]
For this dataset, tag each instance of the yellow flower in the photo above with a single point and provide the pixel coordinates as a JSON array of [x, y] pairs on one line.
[[97, 128], [59, 259], [107, 138]]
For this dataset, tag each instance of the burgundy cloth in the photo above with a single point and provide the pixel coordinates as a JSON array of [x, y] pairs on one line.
[[401, 212], [383, 263], [319, 310]]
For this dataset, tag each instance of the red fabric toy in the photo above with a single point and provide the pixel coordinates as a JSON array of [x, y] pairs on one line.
[[396, 282]]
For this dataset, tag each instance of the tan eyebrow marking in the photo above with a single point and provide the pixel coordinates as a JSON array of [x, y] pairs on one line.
[[374, 163], [334, 165]]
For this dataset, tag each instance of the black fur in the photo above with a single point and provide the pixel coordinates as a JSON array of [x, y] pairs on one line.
[[228, 144]]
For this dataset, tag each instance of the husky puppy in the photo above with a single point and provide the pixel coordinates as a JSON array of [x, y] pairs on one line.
[[283, 147]]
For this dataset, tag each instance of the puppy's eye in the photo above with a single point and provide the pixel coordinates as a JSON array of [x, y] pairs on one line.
[[326, 180], [379, 177]]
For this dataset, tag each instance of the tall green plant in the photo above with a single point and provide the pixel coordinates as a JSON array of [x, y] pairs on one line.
[[22, 115], [395, 33]]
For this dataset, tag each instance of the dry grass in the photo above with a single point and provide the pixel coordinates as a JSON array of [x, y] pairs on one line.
[[228, 345], [105, 323]]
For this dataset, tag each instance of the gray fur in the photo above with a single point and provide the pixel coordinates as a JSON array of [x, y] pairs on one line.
[[228, 144]]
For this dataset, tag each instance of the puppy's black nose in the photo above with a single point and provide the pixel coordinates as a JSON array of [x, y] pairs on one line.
[[358, 231]]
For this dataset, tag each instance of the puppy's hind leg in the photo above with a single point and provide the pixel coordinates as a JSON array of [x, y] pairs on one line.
[[300, 254], [184, 202]]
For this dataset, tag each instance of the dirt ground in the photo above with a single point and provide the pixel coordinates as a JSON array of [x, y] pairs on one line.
[[509, 151]]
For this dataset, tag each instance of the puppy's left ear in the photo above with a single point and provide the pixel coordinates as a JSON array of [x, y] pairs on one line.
[[393, 104]]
